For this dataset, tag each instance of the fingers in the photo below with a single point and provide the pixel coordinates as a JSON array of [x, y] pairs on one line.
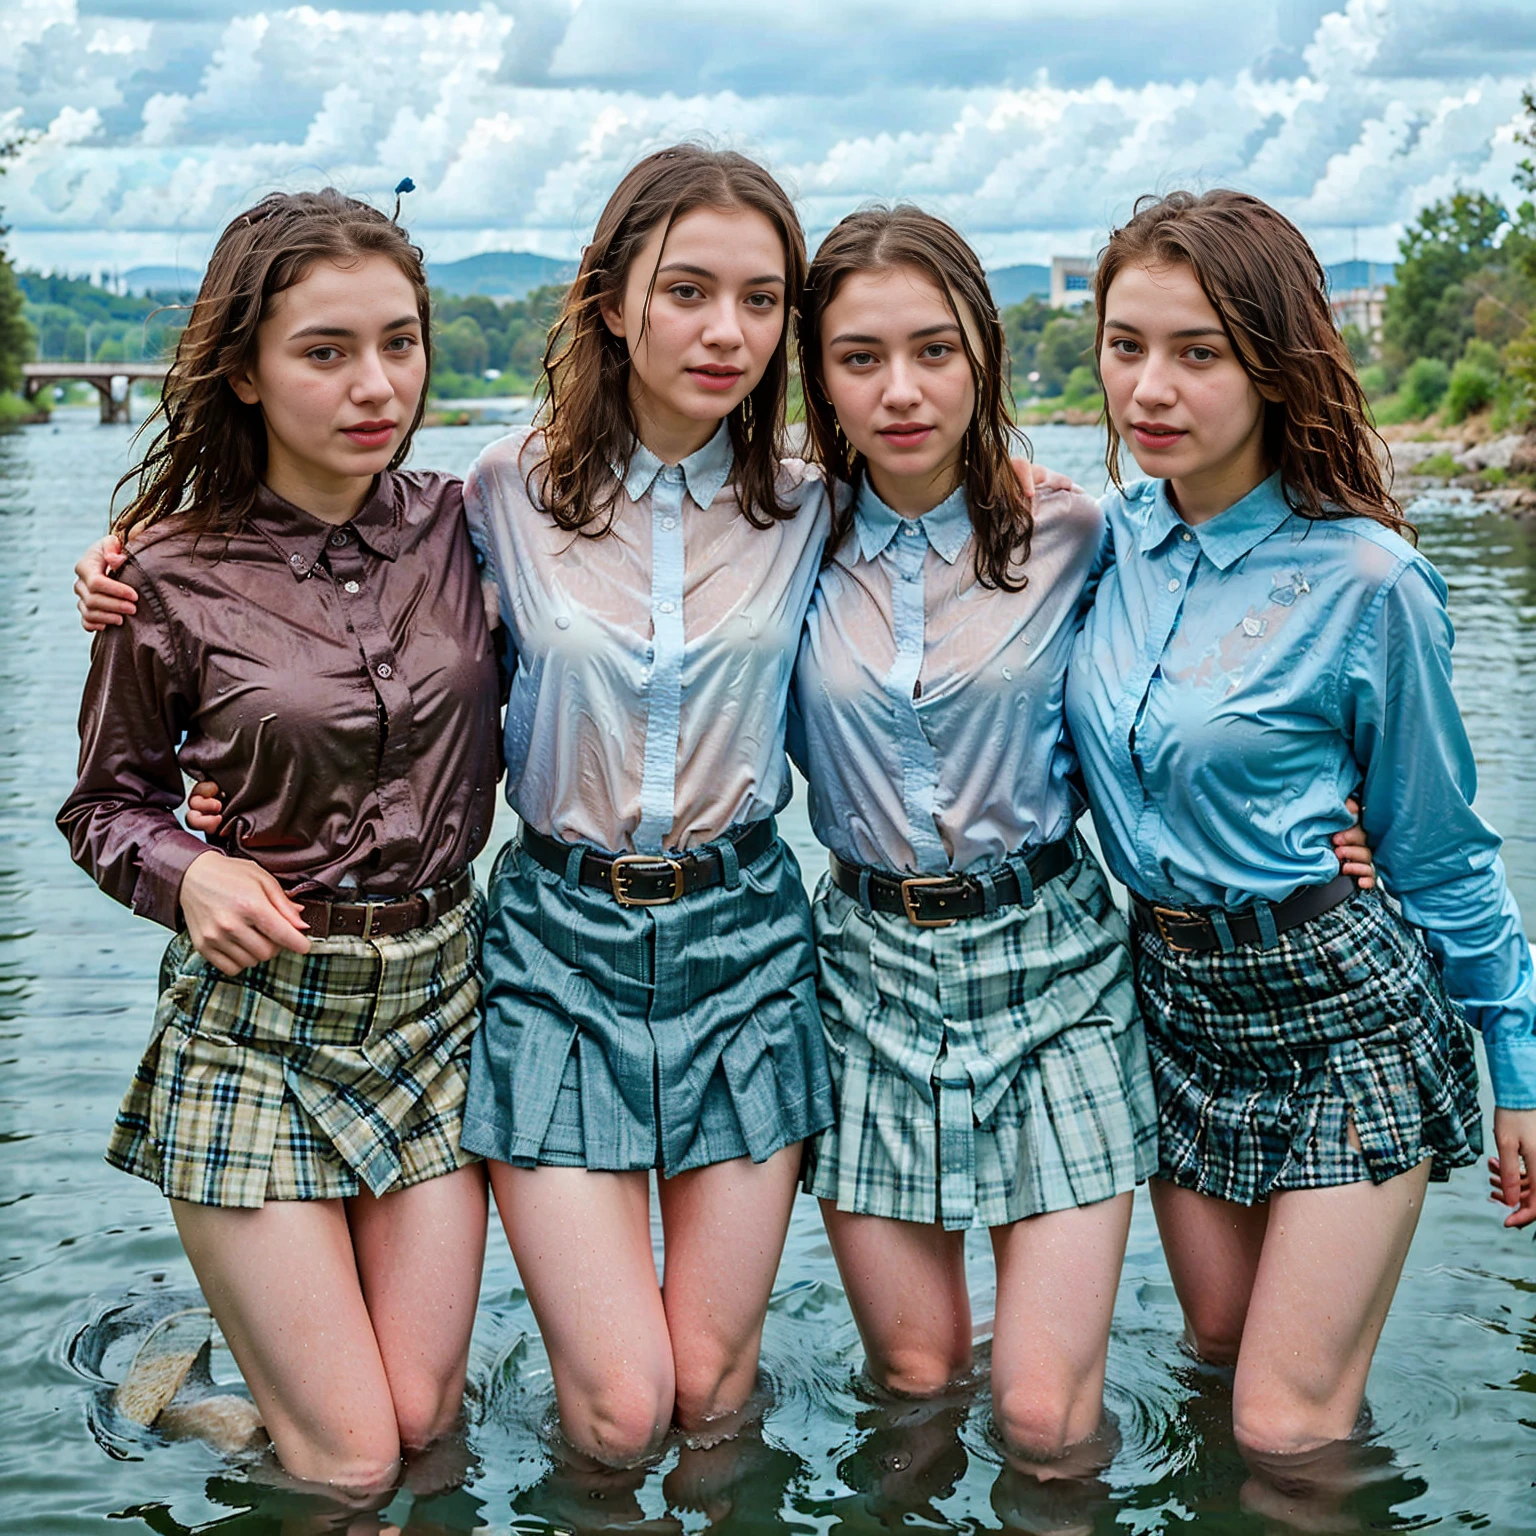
[[283, 922], [490, 596], [205, 808], [1353, 807]]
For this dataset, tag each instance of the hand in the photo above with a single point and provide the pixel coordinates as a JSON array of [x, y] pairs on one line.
[[237, 914], [1513, 1172], [205, 807], [490, 595], [1353, 852], [101, 600], [1036, 477]]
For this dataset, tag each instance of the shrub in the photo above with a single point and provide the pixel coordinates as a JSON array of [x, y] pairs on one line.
[[1440, 466], [1082, 389], [1375, 382], [1424, 386], [1472, 388]]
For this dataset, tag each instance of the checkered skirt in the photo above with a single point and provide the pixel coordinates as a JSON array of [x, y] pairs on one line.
[[310, 1077], [985, 1072], [1263, 1058]]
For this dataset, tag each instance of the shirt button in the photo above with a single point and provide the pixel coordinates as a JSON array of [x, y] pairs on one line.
[[385, 670], [910, 530], [669, 523], [296, 561], [669, 606], [1008, 674], [1186, 537], [562, 622], [338, 539], [350, 586], [1173, 583]]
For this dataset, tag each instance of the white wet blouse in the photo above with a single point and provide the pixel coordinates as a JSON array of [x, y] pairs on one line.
[[652, 665], [928, 708]]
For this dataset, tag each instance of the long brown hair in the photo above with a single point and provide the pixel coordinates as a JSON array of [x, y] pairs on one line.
[[587, 421], [207, 460], [1271, 294], [880, 239]]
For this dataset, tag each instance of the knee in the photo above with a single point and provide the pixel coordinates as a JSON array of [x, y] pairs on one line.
[[1215, 1336], [368, 1466], [623, 1424], [919, 1372], [1277, 1423], [426, 1410], [1041, 1425]]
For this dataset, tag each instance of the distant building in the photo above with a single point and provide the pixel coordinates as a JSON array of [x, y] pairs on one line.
[[1071, 280], [1357, 295]]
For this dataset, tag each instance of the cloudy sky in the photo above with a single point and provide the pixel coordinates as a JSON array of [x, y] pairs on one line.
[[1032, 124]]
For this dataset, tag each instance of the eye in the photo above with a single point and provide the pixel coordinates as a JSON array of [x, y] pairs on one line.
[[1201, 355], [323, 354], [686, 292], [400, 344], [858, 359], [1124, 346], [937, 351], [763, 300]]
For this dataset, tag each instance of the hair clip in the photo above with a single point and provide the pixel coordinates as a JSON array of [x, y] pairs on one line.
[[404, 185]]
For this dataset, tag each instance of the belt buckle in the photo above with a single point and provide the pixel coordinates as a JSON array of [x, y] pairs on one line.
[[1159, 914], [369, 908], [909, 901], [618, 874]]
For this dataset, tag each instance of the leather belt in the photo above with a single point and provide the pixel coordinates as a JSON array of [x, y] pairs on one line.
[[936, 901], [1208, 928], [651, 879], [385, 919]]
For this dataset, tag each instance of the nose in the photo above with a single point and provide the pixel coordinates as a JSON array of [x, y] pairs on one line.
[[902, 389], [1155, 382], [371, 382], [722, 327]]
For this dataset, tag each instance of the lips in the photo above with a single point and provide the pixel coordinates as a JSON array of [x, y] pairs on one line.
[[906, 434], [717, 379], [1157, 434], [370, 434]]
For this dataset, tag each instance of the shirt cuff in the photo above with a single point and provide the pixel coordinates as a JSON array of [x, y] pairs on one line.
[[157, 891], [1512, 1069]]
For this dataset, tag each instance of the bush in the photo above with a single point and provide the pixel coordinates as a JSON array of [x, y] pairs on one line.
[[1472, 388], [1424, 386], [1439, 466], [1082, 389], [1375, 382]]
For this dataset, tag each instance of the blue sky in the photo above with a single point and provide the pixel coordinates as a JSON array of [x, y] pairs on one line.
[[1031, 124]]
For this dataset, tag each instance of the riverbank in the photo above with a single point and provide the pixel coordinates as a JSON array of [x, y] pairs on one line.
[[1496, 468]]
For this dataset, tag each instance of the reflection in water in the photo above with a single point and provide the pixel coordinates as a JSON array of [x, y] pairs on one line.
[[1453, 1388]]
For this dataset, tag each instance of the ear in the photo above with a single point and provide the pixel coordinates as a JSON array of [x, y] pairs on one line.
[[244, 386], [1269, 392], [611, 308]]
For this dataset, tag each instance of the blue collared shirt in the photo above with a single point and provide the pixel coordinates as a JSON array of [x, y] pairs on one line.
[[928, 707], [652, 665], [1236, 680]]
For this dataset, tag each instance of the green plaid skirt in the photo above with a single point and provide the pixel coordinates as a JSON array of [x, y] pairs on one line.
[[1264, 1058], [985, 1072], [311, 1076]]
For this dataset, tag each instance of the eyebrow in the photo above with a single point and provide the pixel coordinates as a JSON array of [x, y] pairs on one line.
[[928, 330], [1185, 335], [347, 332], [688, 266]]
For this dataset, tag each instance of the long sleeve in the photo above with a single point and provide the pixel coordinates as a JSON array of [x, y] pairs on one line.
[[119, 819], [1435, 854]]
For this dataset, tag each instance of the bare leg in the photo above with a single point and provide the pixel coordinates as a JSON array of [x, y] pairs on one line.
[[1056, 1281], [724, 1227], [282, 1282], [582, 1242], [905, 1281], [1213, 1249], [419, 1254], [1326, 1277]]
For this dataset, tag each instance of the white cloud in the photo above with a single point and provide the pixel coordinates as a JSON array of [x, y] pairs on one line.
[[1032, 123]]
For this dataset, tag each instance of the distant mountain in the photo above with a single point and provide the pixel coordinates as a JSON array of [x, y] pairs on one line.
[[161, 280], [1343, 275], [1012, 285], [499, 274]]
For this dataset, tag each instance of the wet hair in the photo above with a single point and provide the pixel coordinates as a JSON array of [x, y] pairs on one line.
[[883, 239], [1271, 294], [207, 460], [586, 418]]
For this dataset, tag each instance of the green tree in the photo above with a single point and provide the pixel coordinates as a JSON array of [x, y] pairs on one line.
[[462, 347], [16, 338], [1424, 386]]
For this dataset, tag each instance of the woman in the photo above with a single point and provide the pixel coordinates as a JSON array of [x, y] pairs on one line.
[[1266, 642], [975, 980], [310, 635]]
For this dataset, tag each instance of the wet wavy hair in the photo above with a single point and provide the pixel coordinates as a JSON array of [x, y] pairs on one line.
[[882, 239], [208, 458], [586, 419], [1271, 295]]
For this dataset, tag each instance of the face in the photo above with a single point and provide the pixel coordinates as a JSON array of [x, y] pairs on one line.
[[1174, 386], [895, 371], [339, 369], [715, 318]]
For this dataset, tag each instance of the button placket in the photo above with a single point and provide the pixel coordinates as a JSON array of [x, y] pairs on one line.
[[919, 761], [658, 784]]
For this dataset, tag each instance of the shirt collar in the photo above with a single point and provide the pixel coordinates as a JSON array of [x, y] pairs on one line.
[[1227, 537], [947, 526], [704, 472], [301, 537]]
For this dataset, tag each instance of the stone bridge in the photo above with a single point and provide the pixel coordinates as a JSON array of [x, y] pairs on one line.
[[112, 381]]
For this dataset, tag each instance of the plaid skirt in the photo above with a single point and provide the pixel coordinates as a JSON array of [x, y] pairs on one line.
[[668, 1037], [1264, 1058], [985, 1072], [309, 1077]]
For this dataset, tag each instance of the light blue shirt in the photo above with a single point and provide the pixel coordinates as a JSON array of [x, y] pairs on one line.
[[1236, 680], [648, 700], [927, 707]]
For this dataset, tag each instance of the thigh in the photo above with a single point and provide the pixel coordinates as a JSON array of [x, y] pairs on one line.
[[582, 1243], [1212, 1247], [1056, 1280], [724, 1227], [282, 1282], [419, 1256], [905, 1281], [1329, 1268]]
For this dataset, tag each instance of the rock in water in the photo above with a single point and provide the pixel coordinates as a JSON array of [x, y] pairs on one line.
[[161, 1365]]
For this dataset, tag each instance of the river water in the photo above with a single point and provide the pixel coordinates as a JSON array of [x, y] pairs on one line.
[[88, 1255]]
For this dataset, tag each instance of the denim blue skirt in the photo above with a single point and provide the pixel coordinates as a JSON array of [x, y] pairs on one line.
[[667, 1037]]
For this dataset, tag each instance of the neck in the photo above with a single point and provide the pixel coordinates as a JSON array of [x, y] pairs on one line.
[[913, 495], [331, 498], [1199, 497], [670, 436]]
